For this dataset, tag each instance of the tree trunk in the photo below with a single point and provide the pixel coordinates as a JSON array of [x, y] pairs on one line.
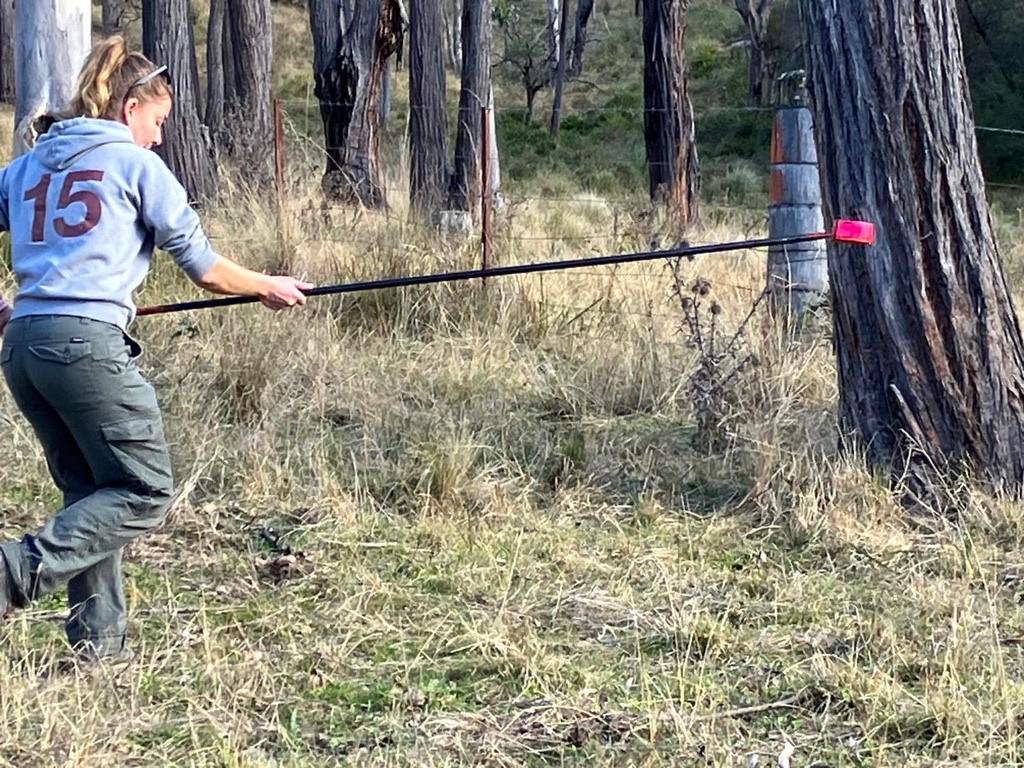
[[556, 103], [453, 33], [755, 18], [228, 61], [52, 39], [330, 90], [6, 51], [553, 37], [214, 117], [494, 165], [668, 114], [248, 128], [531, 97], [167, 38], [579, 38], [112, 16], [464, 190], [374, 35], [386, 86], [428, 123], [346, 14], [929, 353]]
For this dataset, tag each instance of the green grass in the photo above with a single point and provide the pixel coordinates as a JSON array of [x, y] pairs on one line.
[[491, 549], [467, 526]]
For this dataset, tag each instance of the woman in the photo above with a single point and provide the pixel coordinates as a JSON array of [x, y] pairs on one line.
[[85, 209]]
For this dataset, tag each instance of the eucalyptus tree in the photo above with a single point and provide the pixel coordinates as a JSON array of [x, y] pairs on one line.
[[755, 15], [167, 38], [351, 47], [239, 56], [428, 123], [930, 359], [52, 40], [669, 133]]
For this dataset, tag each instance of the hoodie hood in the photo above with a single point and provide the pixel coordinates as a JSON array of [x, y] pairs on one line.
[[68, 140], [85, 209]]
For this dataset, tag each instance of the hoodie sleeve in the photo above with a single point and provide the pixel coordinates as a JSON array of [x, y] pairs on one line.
[[175, 225]]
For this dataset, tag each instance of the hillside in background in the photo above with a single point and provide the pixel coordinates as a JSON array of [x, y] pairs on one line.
[[600, 146]]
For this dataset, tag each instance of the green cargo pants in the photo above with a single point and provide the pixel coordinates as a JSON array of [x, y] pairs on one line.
[[76, 382]]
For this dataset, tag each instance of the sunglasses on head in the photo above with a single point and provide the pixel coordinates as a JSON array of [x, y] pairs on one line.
[[161, 70]]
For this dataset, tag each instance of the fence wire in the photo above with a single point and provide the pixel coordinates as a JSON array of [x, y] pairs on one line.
[[529, 226]]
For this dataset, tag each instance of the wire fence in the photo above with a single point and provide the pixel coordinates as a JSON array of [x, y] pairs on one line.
[[550, 221]]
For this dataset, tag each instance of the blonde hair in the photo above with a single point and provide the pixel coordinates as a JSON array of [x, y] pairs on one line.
[[107, 77]]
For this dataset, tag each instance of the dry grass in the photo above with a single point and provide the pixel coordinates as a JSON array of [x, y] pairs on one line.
[[464, 526]]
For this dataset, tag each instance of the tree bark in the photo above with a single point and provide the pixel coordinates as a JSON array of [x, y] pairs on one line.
[[214, 117], [494, 160], [52, 39], [375, 35], [167, 38], [531, 98], [347, 13], [755, 15], [560, 62], [579, 39], [112, 16], [428, 122], [228, 61], [929, 352], [386, 86], [464, 189], [669, 133], [248, 128], [325, 18], [453, 33], [6, 51], [354, 85], [554, 39]]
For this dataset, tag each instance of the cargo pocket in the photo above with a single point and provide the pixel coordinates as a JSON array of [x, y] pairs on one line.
[[67, 353], [140, 450]]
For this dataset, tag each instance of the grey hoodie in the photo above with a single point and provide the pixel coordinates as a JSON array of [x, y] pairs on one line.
[[85, 208]]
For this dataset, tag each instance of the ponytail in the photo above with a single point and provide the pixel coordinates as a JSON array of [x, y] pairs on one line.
[[107, 76]]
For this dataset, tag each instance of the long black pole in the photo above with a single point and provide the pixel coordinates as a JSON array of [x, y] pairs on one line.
[[513, 269]]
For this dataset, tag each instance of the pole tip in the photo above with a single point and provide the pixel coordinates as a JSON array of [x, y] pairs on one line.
[[852, 231]]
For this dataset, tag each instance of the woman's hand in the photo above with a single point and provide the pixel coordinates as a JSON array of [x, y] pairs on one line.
[[282, 292], [275, 291]]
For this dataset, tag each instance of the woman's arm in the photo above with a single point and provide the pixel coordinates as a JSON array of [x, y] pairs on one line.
[[275, 291]]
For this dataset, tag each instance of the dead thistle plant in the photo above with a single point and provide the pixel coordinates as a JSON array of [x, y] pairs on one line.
[[722, 359]]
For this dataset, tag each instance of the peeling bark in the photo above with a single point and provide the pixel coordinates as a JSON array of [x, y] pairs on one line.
[[669, 132], [52, 39]]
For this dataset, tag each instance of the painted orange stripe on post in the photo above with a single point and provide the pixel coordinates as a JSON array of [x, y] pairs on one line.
[[776, 186]]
